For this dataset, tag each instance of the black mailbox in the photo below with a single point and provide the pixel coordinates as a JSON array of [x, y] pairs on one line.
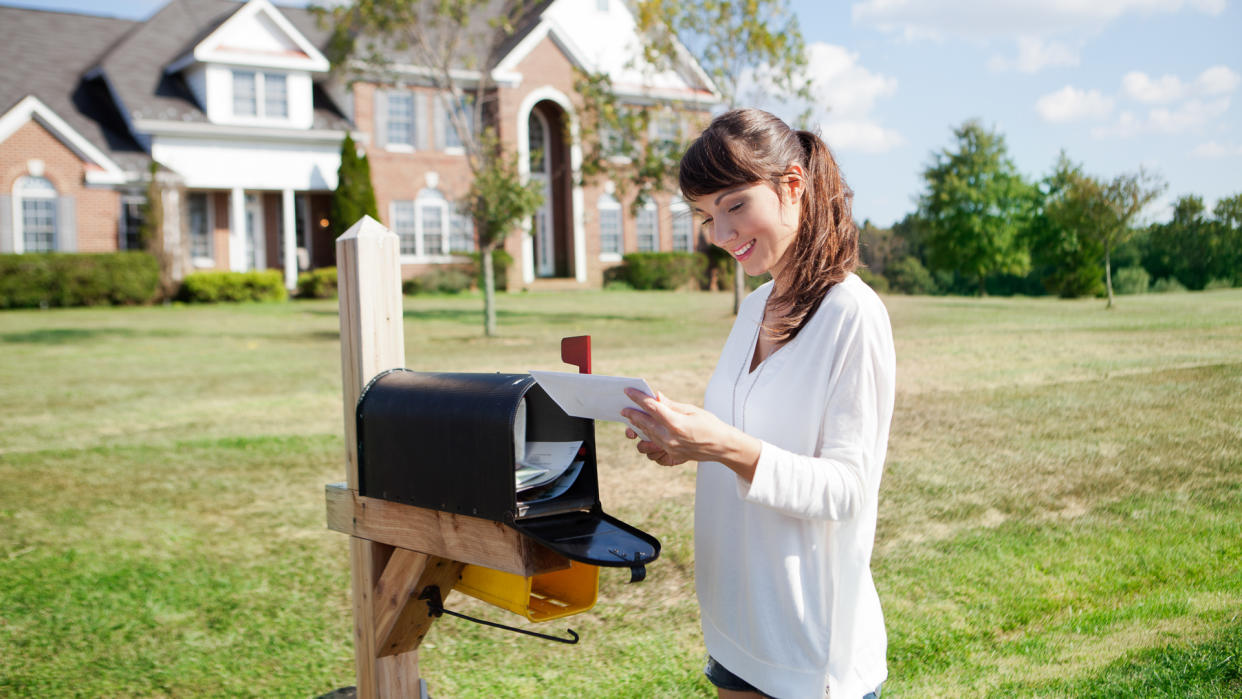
[[446, 441]]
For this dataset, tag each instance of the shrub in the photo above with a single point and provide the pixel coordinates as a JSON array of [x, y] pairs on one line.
[[1218, 284], [214, 287], [909, 276], [36, 280], [441, 280], [664, 270], [875, 281], [318, 283], [1166, 285], [1131, 280]]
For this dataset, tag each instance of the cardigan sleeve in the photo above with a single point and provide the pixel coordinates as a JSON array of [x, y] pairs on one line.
[[844, 472]]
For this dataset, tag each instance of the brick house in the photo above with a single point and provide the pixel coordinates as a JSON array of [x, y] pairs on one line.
[[241, 111]]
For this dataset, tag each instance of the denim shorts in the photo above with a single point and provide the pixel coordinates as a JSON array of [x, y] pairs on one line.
[[720, 677]]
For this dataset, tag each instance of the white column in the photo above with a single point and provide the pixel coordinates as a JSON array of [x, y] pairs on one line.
[[288, 227], [237, 230]]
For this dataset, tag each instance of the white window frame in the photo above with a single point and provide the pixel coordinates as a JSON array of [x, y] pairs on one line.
[[260, 95], [427, 198], [648, 214], [456, 218], [122, 229], [31, 187], [406, 228], [200, 261], [608, 203], [411, 133], [679, 210], [445, 103], [429, 204]]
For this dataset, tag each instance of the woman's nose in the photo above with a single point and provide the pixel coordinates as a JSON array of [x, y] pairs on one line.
[[722, 234]]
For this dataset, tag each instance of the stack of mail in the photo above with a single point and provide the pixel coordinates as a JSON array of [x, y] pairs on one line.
[[547, 470]]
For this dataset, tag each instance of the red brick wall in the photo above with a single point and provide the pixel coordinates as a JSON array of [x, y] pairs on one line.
[[97, 209]]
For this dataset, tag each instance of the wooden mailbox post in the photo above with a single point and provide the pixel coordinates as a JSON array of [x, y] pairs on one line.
[[397, 550]]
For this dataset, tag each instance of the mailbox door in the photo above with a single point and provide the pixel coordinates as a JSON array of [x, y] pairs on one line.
[[593, 537]]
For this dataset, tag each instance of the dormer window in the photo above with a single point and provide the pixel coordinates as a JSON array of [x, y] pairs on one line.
[[262, 95]]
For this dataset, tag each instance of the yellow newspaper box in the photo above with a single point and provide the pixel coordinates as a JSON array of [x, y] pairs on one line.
[[539, 597]]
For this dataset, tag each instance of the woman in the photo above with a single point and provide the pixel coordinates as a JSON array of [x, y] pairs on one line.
[[791, 442]]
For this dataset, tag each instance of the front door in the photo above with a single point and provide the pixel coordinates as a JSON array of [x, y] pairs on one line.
[[541, 226]]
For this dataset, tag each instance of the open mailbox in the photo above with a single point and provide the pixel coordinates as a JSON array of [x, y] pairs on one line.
[[451, 442]]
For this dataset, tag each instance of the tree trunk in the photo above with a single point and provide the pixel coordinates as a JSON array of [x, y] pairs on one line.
[[1108, 275], [489, 293], [739, 285]]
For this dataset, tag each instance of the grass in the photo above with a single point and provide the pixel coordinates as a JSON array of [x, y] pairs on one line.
[[1060, 511]]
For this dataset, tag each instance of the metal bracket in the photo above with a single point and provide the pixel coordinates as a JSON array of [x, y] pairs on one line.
[[435, 606]]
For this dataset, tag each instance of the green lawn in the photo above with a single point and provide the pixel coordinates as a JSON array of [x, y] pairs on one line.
[[1061, 513]]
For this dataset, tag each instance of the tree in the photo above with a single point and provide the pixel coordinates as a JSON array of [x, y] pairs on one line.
[[1122, 200], [443, 37], [1066, 254], [975, 206], [731, 40], [354, 197], [151, 231]]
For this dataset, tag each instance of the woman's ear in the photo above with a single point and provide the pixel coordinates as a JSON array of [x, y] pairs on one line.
[[793, 183]]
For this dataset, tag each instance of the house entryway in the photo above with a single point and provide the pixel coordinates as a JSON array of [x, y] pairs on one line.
[[551, 226]]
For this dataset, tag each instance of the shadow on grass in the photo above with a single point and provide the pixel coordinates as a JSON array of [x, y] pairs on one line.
[[473, 317], [63, 336]]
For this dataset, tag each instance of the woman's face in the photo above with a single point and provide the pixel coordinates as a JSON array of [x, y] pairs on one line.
[[752, 223]]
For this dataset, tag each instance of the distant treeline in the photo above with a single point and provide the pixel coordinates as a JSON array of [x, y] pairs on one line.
[[980, 227]]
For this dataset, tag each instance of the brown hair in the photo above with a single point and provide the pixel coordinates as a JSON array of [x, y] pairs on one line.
[[750, 146]]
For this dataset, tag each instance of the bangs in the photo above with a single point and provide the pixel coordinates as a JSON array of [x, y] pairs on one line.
[[711, 164]]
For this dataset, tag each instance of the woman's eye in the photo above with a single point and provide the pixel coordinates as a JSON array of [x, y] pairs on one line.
[[735, 207]]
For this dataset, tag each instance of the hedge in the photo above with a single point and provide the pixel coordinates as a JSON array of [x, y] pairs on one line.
[[441, 280], [318, 283], [664, 270], [213, 287], [41, 280]]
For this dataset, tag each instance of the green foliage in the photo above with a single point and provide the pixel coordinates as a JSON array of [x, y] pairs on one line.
[[1065, 254], [498, 200], [354, 197], [875, 281], [664, 270], [317, 283], [501, 261], [1167, 285], [35, 280], [439, 280], [1214, 284], [975, 206], [909, 276], [1131, 280], [216, 287], [1194, 247]]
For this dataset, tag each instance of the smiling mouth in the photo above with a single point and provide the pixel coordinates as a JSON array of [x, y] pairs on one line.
[[744, 250]]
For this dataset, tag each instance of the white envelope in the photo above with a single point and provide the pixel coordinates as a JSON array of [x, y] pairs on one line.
[[591, 395]]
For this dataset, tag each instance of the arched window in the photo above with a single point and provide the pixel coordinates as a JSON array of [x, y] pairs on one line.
[[609, 225], [683, 226], [433, 221], [647, 230], [38, 215]]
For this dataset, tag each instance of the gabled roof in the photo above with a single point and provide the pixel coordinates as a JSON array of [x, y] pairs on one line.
[[287, 47], [43, 54], [135, 66]]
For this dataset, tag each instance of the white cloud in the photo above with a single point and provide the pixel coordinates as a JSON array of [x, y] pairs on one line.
[[1212, 149], [1138, 86], [1035, 54], [844, 96], [860, 136], [1072, 104], [1217, 80], [1191, 115], [1010, 18]]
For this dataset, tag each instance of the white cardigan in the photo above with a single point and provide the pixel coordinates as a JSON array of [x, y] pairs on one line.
[[783, 565]]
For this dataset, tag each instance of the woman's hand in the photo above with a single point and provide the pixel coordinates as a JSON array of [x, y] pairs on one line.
[[680, 432]]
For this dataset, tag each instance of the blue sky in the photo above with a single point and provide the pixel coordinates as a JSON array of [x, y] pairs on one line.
[[1117, 84]]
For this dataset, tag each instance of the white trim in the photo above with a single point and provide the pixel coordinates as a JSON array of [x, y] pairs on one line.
[[209, 205], [314, 62], [32, 107], [19, 220], [575, 162], [547, 27], [288, 224], [608, 201], [160, 127], [237, 229]]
